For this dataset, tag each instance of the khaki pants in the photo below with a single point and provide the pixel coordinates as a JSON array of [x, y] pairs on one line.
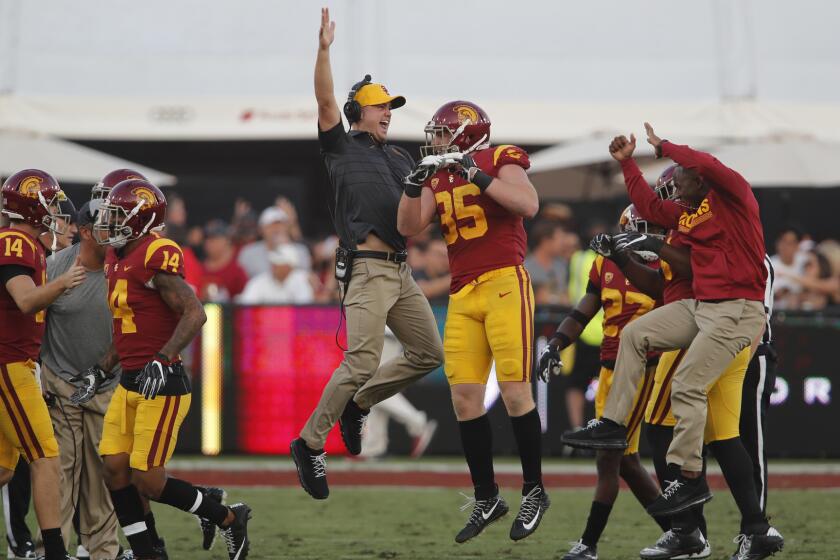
[[78, 430], [380, 293], [713, 333]]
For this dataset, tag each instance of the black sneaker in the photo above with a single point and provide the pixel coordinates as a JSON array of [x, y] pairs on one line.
[[352, 422], [756, 547], [598, 434], [25, 549], [531, 510], [580, 551], [208, 528], [673, 544], [484, 513], [236, 535], [680, 495], [312, 469]]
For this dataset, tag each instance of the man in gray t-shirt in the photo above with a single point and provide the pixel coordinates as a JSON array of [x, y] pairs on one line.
[[78, 334]]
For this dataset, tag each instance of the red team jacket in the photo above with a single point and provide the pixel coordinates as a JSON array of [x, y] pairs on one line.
[[143, 322], [481, 235], [20, 333], [622, 303], [724, 233], [676, 287]]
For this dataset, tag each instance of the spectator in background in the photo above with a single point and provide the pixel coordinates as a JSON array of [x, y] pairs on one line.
[[176, 229], [323, 267], [434, 279], [819, 284], [244, 223], [788, 262], [548, 264], [223, 278], [284, 283], [276, 228]]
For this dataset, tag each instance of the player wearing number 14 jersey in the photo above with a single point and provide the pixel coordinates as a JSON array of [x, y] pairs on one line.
[[156, 314], [481, 194]]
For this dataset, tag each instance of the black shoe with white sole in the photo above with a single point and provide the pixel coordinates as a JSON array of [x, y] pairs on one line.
[[352, 423], [484, 513], [24, 549], [598, 434], [534, 505], [756, 547], [312, 469], [680, 494], [673, 544], [236, 535], [208, 528], [580, 551]]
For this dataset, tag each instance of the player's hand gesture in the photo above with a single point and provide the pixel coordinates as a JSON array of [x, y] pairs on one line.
[[549, 361], [654, 140], [153, 377], [74, 276], [621, 148], [87, 384], [327, 33]]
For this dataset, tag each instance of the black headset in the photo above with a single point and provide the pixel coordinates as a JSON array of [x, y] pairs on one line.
[[352, 109]]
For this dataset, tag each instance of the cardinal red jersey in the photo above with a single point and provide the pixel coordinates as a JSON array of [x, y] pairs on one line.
[[143, 323], [20, 333], [622, 302], [480, 233], [676, 287]]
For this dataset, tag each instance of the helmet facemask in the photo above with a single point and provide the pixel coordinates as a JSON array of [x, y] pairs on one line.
[[113, 221], [54, 220], [667, 190], [435, 143], [99, 191]]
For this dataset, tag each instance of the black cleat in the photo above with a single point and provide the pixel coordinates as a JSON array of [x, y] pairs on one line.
[[598, 434], [673, 544], [680, 495], [311, 468], [25, 549], [160, 549], [756, 547], [208, 528], [534, 505], [484, 513], [128, 554], [580, 551], [236, 535], [351, 423]]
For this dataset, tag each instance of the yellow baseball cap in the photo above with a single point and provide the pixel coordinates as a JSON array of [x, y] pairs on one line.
[[377, 94]]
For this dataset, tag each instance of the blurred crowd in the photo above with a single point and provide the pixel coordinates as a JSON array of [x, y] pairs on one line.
[[261, 257]]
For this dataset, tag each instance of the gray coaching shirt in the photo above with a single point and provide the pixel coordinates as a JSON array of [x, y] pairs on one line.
[[79, 322]]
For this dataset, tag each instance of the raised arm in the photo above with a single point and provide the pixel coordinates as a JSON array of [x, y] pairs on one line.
[[328, 113], [665, 213], [720, 177]]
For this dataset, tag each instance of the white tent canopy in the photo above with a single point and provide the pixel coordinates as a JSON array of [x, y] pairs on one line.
[[66, 161]]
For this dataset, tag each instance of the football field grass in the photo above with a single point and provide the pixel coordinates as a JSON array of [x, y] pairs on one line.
[[395, 523]]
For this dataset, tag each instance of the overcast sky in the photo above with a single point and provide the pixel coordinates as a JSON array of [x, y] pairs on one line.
[[542, 50]]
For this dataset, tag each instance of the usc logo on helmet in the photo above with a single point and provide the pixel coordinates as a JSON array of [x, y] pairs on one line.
[[30, 186], [144, 194], [466, 112]]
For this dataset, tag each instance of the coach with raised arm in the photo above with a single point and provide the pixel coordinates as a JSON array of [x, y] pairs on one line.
[[366, 174], [717, 213]]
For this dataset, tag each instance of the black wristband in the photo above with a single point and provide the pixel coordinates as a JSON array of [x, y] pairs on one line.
[[579, 318], [563, 339], [412, 191], [620, 258], [482, 180]]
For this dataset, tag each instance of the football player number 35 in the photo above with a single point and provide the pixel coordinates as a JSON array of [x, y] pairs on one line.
[[118, 302], [454, 209]]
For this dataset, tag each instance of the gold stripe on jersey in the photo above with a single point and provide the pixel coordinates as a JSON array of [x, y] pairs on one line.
[[157, 244], [498, 153]]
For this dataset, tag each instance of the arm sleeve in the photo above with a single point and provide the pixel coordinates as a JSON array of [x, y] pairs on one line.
[[332, 140], [591, 288], [665, 213], [9, 271], [721, 178]]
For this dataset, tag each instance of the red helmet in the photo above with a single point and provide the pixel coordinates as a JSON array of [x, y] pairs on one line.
[[665, 187], [631, 220], [457, 124], [132, 209], [33, 196], [109, 181]]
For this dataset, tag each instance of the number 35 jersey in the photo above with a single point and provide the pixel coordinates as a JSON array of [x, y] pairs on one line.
[[480, 233], [622, 303], [143, 322]]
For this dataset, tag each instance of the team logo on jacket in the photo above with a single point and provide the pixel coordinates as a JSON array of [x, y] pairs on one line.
[[30, 187], [702, 214]]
